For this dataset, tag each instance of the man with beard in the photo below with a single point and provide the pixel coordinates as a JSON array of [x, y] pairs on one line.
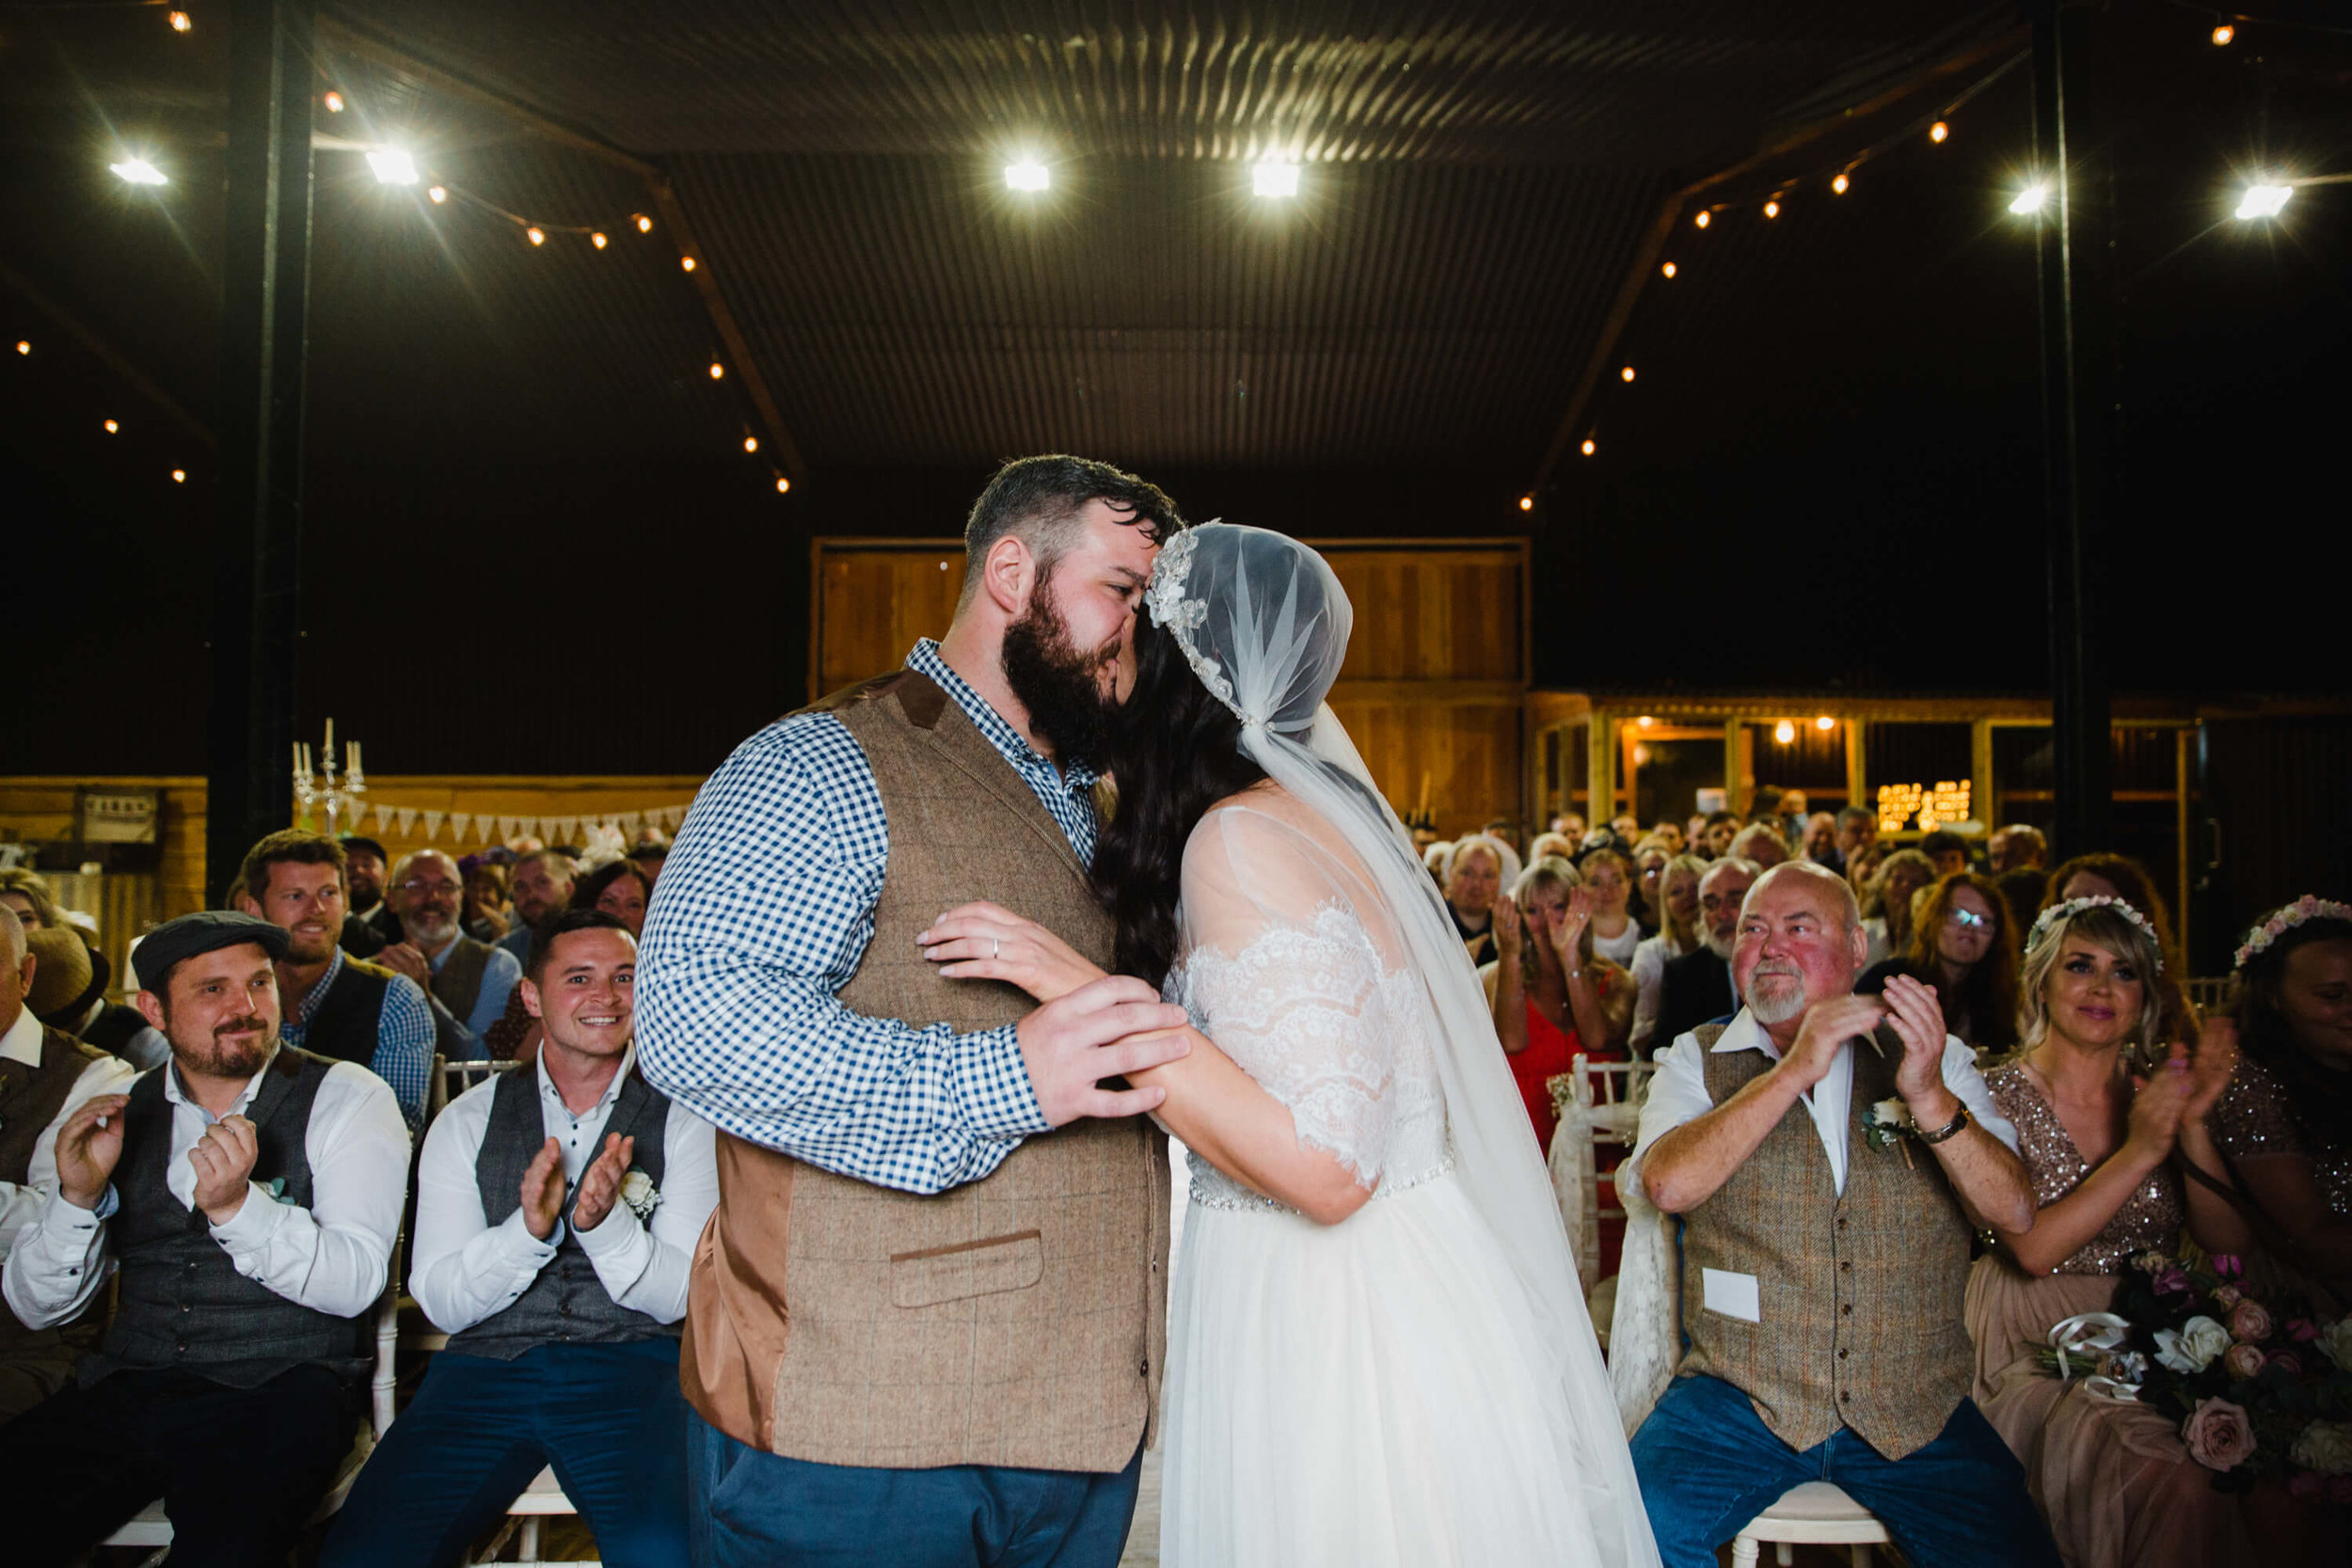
[[927, 1319], [1831, 1156], [247, 1197], [369, 924], [335, 1005], [541, 888], [469, 977], [1696, 987]]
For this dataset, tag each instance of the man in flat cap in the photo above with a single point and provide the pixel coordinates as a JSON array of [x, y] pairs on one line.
[[247, 1196], [45, 1076]]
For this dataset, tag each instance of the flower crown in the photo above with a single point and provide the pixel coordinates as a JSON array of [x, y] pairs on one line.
[[2055, 912], [1180, 616], [2310, 907]]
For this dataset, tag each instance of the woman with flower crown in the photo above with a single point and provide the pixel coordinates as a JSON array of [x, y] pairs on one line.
[[2286, 1122], [2105, 1112], [1378, 1352]]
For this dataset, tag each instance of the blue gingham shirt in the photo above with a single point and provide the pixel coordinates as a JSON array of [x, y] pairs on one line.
[[404, 1036], [763, 911]]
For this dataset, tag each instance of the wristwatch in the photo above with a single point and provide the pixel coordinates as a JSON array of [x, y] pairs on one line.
[[1949, 1130]]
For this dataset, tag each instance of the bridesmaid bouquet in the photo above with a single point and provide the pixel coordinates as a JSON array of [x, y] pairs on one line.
[[2258, 1391]]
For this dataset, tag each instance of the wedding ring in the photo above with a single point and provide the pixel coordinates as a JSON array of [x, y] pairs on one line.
[[996, 945]]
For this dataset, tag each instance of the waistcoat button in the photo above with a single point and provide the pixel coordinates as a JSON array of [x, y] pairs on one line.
[[1841, 1354], [1847, 1309], [1848, 1267], [1846, 1395]]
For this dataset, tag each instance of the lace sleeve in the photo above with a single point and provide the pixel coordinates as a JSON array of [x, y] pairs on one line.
[[1281, 972]]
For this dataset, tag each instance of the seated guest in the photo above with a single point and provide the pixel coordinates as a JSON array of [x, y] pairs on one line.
[[1474, 879], [1628, 827], [1568, 825], [1615, 932], [334, 1005], [1649, 863], [2121, 877], [620, 890], [1858, 829], [1964, 947], [45, 1076], [1761, 843], [2112, 1475], [71, 995], [2016, 848], [1697, 987], [1671, 831], [1555, 845], [649, 854], [1821, 842], [2286, 1120], [1886, 905], [1947, 851], [1551, 995], [1793, 810], [487, 915], [1822, 1277], [539, 890], [1718, 829], [561, 1289], [1678, 933], [369, 925], [246, 1198], [24, 893], [472, 980]]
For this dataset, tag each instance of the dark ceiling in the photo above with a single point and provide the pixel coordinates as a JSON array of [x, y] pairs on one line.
[[1844, 394]]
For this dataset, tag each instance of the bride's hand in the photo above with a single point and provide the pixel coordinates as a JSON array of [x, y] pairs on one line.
[[988, 941]]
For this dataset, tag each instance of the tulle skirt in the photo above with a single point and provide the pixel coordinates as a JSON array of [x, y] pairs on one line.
[[1367, 1394]]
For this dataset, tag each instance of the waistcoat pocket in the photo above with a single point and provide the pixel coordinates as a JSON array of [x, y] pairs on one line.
[[986, 1267]]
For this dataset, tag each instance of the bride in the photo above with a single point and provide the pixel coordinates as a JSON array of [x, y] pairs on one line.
[[1378, 1352]]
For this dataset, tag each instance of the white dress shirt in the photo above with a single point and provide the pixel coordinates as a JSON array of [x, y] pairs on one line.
[[108, 1075], [331, 1257], [1677, 1093], [468, 1269]]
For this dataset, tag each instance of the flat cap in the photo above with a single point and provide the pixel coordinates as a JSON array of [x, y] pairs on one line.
[[162, 949]]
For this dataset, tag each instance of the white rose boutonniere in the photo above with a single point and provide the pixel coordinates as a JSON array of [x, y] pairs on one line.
[[2335, 1342], [640, 1194], [1889, 1121], [2193, 1346]]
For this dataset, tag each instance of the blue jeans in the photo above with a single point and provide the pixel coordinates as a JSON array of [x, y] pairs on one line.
[[1708, 1465], [610, 1418], [754, 1510]]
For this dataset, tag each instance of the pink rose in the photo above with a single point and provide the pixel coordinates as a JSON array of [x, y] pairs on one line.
[[2228, 1265], [2227, 1296], [2172, 1280], [2218, 1436], [2249, 1321], [2303, 1330], [2241, 1360], [2288, 1360]]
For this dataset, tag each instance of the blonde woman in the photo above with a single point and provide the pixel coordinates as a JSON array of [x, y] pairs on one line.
[[1886, 905], [1676, 905], [1551, 995]]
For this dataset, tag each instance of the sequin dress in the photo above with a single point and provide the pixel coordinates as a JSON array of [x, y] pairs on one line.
[[2111, 1477], [2258, 1120]]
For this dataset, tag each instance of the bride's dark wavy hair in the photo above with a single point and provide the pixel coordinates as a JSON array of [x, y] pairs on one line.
[[1175, 751]]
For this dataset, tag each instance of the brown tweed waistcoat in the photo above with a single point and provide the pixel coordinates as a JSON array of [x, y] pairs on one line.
[[1016, 1321], [1861, 1293], [30, 1099]]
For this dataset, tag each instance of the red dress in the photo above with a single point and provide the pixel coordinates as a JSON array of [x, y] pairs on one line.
[[1551, 1051]]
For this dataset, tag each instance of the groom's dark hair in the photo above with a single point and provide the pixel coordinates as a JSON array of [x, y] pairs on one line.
[[1042, 499]]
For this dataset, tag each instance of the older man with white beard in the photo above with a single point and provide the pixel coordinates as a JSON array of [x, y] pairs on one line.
[[470, 978], [1696, 987], [1830, 1156]]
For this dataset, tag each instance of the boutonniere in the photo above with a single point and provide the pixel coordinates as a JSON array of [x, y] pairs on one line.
[[640, 1194], [1889, 1122], [275, 1186]]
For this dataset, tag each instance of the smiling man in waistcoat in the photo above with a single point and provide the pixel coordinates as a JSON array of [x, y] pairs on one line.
[[246, 1196], [1823, 1267], [470, 980], [928, 1317], [557, 1209]]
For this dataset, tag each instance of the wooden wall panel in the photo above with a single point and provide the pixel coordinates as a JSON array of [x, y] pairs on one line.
[[873, 600], [1434, 614], [1464, 754]]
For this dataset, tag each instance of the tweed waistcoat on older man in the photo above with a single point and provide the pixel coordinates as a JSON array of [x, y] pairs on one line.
[[1860, 1293], [1016, 1321]]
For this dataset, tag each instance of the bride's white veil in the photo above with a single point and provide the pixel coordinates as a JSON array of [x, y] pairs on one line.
[[1264, 623]]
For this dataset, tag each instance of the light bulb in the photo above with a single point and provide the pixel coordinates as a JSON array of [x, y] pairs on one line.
[[392, 166], [599, 241], [1027, 175], [537, 235], [1646, 721], [751, 443], [24, 346], [1668, 269], [1527, 503], [2221, 35], [179, 23], [783, 484], [1275, 178], [179, 476], [2031, 197], [2263, 201], [1703, 218], [439, 194], [112, 427], [1588, 446], [1938, 131], [334, 102], [1772, 209], [686, 262], [645, 224], [1839, 184], [1625, 374], [139, 171], [1784, 732], [717, 370], [1825, 722]]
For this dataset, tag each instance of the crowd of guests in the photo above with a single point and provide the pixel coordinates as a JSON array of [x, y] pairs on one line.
[[2138, 1125]]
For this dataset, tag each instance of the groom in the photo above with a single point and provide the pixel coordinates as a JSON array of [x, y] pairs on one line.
[[926, 1320]]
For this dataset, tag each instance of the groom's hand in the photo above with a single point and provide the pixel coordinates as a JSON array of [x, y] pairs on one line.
[[1108, 1029]]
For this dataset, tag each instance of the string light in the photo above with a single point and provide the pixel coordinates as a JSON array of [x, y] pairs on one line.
[[2222, 35], [139, 171], [751, 443], [1625, 374], [1646, 721], [24, 346], [393, 165], [717, 370], [112, 427], [1668, 269], [179, 476], [687, 263], [599, 241], [536, 235], [1938, 132], [784, 485], [1703, 218], [2031, 197], [1825, 723], [1271, 178], [179, 22], [1588, 446], [645, 224], [2263, 201], [1772, 209], [1839, 184], [334, 102], [1027, 175], [1527, 503], [1784, 732], [439, 194]]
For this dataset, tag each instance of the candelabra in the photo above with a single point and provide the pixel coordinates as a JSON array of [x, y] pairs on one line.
[[322, 789]]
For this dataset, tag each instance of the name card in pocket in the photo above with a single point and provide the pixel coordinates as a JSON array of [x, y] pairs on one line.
[[1733, 1295]]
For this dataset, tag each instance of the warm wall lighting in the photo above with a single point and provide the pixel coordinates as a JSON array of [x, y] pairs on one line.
[[1589, 448], [1027, 175], [751, 443], [645, 224], [687, 263], [1938, 131], [717, 370], [1646, 721], [1626, 373], [1668, 269], [1839, 184], [139, 171], [2263, 201], [2031, 197], [1270, 179], [1527, 503], [537, 236], [393, 166], [1784, 732], [439, 194], [599, 241], [1703, 218], [1825, 723], [334, 102], [1772, 209], [2221, 35]]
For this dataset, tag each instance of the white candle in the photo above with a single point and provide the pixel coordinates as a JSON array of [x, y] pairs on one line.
[[330, 745]]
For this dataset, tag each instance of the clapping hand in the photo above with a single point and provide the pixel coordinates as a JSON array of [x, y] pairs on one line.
[[2210, 1068], [1918, 1020], [1827, 1026], [2160, 1103], [88, 1145], [988, 941], [408, 958], [1567, 928], [543, 1190], [223, 1158], [600, 1183]]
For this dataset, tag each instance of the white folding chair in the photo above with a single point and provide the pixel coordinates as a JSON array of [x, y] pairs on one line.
[[452, 1079], [1599, 1106], [541, 1499], [1814, 1513]]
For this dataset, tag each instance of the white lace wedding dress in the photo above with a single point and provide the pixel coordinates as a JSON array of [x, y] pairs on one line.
[[1379, 1392]]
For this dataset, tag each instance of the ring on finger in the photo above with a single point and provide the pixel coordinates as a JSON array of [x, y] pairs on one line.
[[996, 945]]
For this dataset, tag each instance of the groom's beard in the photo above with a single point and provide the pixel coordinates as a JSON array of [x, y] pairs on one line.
[[1061, 687]]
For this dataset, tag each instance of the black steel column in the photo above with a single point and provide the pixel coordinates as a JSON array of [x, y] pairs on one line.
[[257, 585], [2075, 261]]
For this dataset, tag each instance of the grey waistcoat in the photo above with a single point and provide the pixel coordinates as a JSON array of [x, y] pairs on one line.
[[567, 1304], [183, 1305]]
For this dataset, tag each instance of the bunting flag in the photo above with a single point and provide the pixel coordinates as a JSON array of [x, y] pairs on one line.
[[509, 827], [403, 816], [433, 825], [459, 821], [382, 816], [531, 826], [629, 820], [479, 827]]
